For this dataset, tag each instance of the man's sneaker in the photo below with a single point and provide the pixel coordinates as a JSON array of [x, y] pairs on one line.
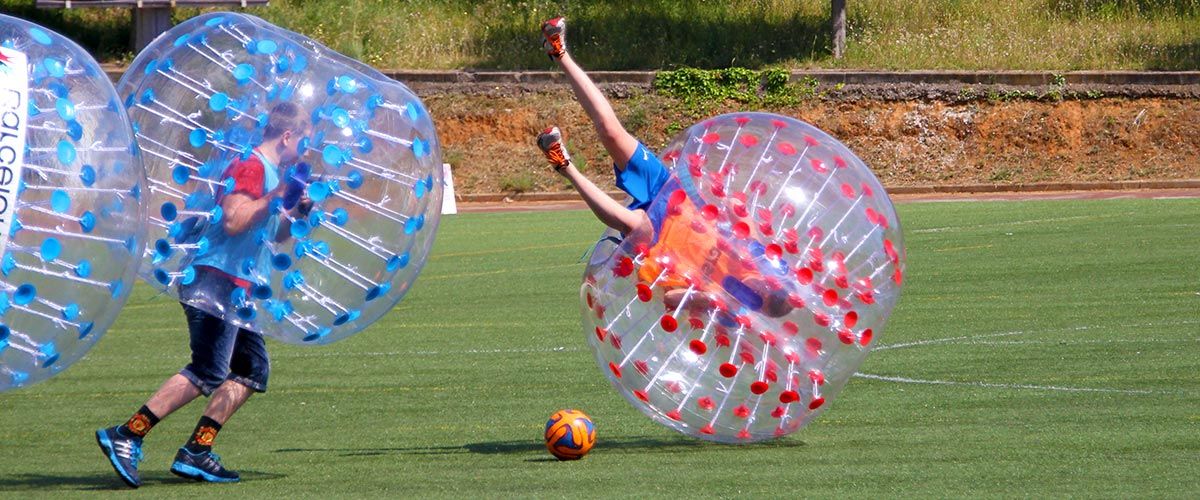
[[202, 467], [124, 452], [554, 31], [550, 140]]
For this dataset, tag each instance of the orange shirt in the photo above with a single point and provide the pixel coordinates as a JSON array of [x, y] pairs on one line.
[[689, 246]]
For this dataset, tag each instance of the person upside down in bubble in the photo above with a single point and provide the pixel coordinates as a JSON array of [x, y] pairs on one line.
[[228, 363], [701, 264]]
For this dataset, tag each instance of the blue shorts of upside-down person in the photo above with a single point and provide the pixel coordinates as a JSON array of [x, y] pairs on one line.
[[644, 177]]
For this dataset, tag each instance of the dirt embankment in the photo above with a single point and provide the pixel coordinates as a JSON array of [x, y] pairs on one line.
[[910, 136]]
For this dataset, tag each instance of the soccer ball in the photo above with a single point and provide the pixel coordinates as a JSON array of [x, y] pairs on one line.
[[570, 434]]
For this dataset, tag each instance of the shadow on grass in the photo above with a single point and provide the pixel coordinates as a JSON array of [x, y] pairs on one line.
[[646, 38], [1172, 57], [619, 445], [105, 481]]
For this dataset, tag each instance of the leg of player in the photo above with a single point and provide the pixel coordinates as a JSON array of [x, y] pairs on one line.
[[616, 140], [611, 212]]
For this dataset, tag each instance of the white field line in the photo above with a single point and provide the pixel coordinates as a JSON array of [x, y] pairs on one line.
[[1015, 223], [905, 380], [973, 338], [391, 354]]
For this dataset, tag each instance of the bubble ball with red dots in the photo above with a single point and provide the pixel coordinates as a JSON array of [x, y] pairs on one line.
[[771, 263]]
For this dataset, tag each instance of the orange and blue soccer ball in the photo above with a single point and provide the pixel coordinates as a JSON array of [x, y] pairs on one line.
[[570, 434]]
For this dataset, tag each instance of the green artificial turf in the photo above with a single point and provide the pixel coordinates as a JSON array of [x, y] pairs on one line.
[[1041, 349]]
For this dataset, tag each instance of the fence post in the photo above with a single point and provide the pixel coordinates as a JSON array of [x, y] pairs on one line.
[[838, 24], [148, 23]]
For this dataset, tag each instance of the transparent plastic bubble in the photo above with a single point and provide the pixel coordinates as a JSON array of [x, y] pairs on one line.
[[774, 261], [202, 97], [71, 211]]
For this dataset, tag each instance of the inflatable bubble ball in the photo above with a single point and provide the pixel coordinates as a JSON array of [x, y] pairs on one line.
[[71, 188], [292, 191], [773, 262]]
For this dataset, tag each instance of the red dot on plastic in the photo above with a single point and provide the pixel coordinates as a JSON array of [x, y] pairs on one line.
[[866, 337], [722, 340], [616, 370], [695, 322], [804, 275], [898, 277], [706, 403], [818, 166], [866, 297], [624, 267], [816, 403], [768, 338], [846, 336], [816, 377], [590, 300], [791, 328], [742, 120], [821, 319], [674, 415], [847, 190], [812, 142], [748, 140], [697, 346], [841, 281], [728, 370], [641, 366], [786, 148], [644, 292], [746, 357], [668, 323], [830, 297], [615, 340], [742, 411], [773, 252], [840, 162], [678, 196], [795, 301], [778, 411], [779, 124], [815, 233], [708, 429], [850, 319], [711, 138], [641, 395], [675, 387], [759, 387], [866, 190], [601, 333], [813, 344], [890, 249], [786, 397]]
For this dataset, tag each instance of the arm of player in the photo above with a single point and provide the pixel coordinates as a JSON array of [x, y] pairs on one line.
[[243, 212]]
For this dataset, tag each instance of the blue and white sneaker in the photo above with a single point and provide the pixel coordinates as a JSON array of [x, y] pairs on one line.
[[124, 452], [202, 467]]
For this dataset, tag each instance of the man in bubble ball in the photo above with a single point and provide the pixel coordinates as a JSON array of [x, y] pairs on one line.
[[228, 363], [700, 258]]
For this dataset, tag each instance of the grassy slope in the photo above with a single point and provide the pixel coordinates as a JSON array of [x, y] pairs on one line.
[[652, 34], [446, 395]]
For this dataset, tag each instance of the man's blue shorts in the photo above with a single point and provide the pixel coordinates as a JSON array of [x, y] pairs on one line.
[[221, 351]]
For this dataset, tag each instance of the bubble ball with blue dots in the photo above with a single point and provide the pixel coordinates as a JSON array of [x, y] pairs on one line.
[[368, 179], [71, 211]]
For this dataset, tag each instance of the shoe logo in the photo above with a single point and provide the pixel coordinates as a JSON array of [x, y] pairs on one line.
[[205, 436]]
